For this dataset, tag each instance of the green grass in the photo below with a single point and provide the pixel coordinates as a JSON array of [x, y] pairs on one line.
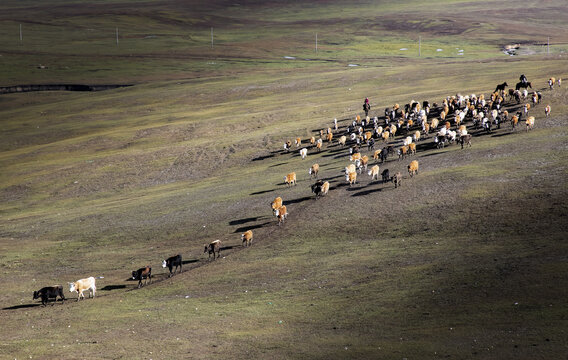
[[465, 260]]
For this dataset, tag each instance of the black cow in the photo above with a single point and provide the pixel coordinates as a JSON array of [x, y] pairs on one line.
[[142, 273], [171, 262], [49, 292], [386, 175], [385, 153]]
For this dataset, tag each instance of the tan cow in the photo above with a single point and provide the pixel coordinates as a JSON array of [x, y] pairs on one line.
[[246, 238], [290, 179], [80, 286], [413, 168]]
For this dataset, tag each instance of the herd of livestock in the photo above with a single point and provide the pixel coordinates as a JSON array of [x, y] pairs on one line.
[[399, 130]]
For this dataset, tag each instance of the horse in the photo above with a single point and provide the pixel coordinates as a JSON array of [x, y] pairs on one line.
[[522, 85], [501, 87]]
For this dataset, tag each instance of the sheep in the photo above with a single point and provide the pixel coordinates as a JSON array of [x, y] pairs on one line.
[[287, 145], [329, 136], [551, 83], [298, 142], [535, 98], [547, 110], [281, 213], [314, 171], [313, 140], [374, 172], [462, 130], [530, 123], [303, 153], [397, 179], [276, 203], [351, 178], [385, 135], [407, 140], [559, 82], [412, 148], [246, 238], [368, 135], [290, 179], [342, 139], [413, 168], [335, 123]]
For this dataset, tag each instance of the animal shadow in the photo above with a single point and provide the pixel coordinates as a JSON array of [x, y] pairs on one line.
[[245, 228], [115, 287], [24, 306], [243, 221]]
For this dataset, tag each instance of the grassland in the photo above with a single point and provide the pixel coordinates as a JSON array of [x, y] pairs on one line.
[[467, 260]]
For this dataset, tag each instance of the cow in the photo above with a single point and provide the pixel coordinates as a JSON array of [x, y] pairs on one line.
[[246, 238], [212, 248], [320, 188], [49, 292], [413, 168], [386, 176], [142, 273], [171, 262], [397, 179], [80, 286], [465, 139]]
